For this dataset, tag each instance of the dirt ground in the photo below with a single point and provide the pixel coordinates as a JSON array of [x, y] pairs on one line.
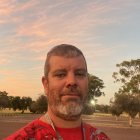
[[116, 130]]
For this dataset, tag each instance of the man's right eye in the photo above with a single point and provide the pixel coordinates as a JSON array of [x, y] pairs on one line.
[[60, 75]]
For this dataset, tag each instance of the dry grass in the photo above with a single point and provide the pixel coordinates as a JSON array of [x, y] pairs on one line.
[[7, 111]]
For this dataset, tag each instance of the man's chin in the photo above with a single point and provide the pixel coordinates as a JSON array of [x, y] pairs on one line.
[[70, 111], [68, 117]]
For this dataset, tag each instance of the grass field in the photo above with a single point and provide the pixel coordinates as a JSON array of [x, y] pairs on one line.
[[7, 111]]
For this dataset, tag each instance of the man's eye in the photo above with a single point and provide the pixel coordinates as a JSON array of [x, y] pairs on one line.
[[60, 75], [81, 74]]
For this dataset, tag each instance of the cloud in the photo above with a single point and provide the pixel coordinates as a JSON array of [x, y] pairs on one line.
[[6, 7], [13, 6], [49, 25], [4, 61], [27, 5], [42, 28], [10, 10], [45, 23], [31, 29]]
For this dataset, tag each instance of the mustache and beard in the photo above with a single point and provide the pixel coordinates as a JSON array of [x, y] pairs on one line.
[[69, 108]]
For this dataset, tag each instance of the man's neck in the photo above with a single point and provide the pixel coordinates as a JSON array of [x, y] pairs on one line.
[[62, 123]]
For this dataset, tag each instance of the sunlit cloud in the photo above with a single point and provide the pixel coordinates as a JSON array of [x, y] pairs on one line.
[[10, 10], [41, 29], [6, 7], [4, 61], [32, 29], [26, 5]]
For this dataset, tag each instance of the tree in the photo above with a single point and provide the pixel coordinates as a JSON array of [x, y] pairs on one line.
[[88, 109], [10, 99], [125, 103], [40, 105], [129, 76], [103, 108], [3, 100], [16, 103], [116, 107], [95, 87], [25, 103], [3, 93], [128, 95], [116, 110], [33, 107]]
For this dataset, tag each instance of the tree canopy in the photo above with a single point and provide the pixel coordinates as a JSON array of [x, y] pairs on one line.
[[129, 76], [95, 86], [127, 99]]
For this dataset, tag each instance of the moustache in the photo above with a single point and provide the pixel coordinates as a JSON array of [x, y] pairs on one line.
[[72, 91]]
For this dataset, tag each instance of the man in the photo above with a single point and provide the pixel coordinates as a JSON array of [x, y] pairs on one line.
[[65, 84]]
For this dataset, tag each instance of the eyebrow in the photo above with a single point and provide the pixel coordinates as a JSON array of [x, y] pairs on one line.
[[65, 70], [59, 70], [83, 69]]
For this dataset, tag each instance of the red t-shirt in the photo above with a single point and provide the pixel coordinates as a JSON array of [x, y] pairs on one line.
[[71, 133], [39, 130]]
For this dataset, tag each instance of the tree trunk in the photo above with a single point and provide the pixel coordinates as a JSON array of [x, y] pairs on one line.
[[117, 118], [22, 111], [130, 121]]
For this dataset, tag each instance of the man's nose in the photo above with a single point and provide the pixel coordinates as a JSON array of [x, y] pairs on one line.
[[71, 80]]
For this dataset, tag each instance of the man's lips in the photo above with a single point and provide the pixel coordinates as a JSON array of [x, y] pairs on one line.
[[70, 96]]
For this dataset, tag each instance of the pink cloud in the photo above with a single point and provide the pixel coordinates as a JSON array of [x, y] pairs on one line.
[[4, 61], [32, 29], [27, 5], [47, 30], [9, 8], [6, 7]]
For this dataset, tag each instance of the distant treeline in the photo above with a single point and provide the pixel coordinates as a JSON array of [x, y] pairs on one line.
[[23, 103]]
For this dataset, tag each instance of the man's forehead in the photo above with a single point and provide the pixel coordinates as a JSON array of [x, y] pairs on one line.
[[66, 59], [72, 62]]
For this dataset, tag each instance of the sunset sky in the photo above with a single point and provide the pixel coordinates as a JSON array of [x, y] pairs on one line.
[[107, 31]]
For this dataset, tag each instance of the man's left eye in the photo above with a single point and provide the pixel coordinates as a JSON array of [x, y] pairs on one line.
[[81, 74]]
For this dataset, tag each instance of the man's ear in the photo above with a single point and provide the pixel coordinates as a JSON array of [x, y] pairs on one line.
[[45, 84]]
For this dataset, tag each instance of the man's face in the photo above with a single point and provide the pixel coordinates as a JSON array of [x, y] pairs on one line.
[[66, 86]]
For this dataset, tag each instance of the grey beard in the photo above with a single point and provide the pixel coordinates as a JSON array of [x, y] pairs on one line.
[[70, 111]]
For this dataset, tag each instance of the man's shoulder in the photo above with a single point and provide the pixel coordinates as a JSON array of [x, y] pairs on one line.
[[94, 132], [34, 129]]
